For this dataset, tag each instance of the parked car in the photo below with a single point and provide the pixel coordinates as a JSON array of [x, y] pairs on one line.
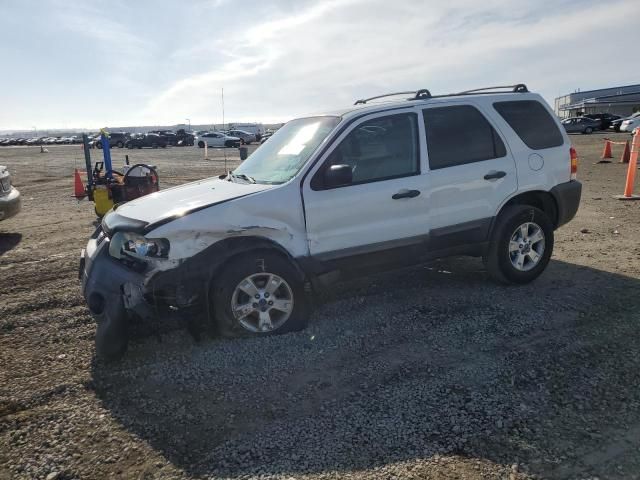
[[493, 176], [169, 136], [116, 139], [630, 123], [615, 124], [580, 125], [217, 139], [604, 118], [246, 138], [256, 128], [152, 140], [10, 202], [184, 138], [5, 142]]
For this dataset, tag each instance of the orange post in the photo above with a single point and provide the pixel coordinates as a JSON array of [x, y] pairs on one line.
[[626, 154], [606, 153], [631, 171], [78, 188]]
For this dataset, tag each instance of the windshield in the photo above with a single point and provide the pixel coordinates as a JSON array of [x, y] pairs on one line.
[[287, 150]]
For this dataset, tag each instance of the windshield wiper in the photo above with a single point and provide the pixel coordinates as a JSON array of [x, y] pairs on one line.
[[243, 177]]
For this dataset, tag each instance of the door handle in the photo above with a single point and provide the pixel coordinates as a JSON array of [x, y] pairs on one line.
[[494, 175], [407, 194]]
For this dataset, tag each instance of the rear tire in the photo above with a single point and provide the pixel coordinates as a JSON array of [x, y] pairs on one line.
[[588, 130], [226, 292], [120, 145], [509, 245]]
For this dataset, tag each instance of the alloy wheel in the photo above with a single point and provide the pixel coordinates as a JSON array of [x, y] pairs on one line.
[[262, 302], [526, 246]]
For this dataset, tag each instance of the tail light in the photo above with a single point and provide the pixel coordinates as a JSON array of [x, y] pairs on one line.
[[574, 163]]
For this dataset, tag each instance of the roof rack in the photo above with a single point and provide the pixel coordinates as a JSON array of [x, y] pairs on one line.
[[424, 94], [517, 88]]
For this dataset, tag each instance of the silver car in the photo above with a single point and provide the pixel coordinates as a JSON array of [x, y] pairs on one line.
[[580, 125], [245, 137], [10, 203]]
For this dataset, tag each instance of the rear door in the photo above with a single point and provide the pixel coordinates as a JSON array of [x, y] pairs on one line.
[[471, 173]]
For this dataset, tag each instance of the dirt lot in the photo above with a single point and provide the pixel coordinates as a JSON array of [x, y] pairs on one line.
[[428, 372]]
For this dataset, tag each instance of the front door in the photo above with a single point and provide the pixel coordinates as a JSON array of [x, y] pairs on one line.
[[386, 205]]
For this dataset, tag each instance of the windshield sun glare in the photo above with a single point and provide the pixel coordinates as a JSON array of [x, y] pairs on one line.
[[282, 156]]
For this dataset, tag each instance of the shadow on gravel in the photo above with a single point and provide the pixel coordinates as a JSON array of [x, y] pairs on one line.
[[9, 241], [401, 367]]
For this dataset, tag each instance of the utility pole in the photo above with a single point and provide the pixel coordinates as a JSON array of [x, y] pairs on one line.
[[189, 120], [224, 149]]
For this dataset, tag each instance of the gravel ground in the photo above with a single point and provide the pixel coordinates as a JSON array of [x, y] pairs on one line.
[[427, 372]]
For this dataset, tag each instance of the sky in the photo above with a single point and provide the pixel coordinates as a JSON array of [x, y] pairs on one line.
[[90, 64]]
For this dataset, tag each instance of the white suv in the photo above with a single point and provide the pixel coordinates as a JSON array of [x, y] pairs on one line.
[[487, 173]]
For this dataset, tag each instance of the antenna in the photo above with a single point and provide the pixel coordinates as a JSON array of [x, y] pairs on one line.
[[224, 149]]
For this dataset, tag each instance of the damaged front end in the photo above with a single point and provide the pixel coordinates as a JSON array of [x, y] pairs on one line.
[[126, 276]]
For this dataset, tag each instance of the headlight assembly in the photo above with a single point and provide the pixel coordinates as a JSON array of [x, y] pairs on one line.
[[123, 245]]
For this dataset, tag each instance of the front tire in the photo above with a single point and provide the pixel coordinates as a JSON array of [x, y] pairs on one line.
[[588, 130], [258, 294], [521, 245], [201, 144]]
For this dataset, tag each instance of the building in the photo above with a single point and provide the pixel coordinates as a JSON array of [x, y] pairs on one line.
[[616, 100]]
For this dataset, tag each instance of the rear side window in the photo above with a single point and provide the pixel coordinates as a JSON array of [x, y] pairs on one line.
[[531, 122], [458, 135]]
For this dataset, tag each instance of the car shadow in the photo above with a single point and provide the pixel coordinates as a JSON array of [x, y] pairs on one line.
[[400, 366], [9, 241]]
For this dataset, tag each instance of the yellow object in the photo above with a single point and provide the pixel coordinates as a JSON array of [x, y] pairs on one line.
[[102, 200]]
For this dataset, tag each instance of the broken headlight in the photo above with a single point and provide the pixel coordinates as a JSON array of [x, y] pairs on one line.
[[123, 245]]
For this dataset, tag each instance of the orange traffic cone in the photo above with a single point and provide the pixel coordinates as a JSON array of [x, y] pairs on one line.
[[78, 188], [631, 171], [626, 155], [606, 153]]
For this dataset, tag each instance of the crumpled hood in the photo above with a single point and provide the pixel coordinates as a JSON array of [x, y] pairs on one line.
[[177, 201]]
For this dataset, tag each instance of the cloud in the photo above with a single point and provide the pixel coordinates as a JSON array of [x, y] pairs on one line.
[[328, 54], [85, 20], [280, 59]]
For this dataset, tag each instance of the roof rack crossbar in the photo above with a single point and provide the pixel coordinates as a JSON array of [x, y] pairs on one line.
[[517, 88], [365, 100]]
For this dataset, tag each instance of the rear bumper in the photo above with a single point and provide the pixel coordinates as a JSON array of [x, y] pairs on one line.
[[10, 204], [567, 196]]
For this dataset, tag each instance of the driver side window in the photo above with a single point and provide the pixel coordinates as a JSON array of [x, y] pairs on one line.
[[380, 149]]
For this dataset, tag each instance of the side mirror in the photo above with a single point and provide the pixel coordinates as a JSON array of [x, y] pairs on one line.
[[338, 176]]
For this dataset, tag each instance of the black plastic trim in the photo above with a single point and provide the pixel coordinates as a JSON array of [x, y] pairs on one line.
[[465, 233], [567, 196]]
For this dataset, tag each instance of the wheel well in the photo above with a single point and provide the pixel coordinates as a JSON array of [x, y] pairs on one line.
[[539, 199], [227, 250]]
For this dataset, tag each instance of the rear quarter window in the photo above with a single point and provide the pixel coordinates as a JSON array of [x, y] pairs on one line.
[[532, 123]]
